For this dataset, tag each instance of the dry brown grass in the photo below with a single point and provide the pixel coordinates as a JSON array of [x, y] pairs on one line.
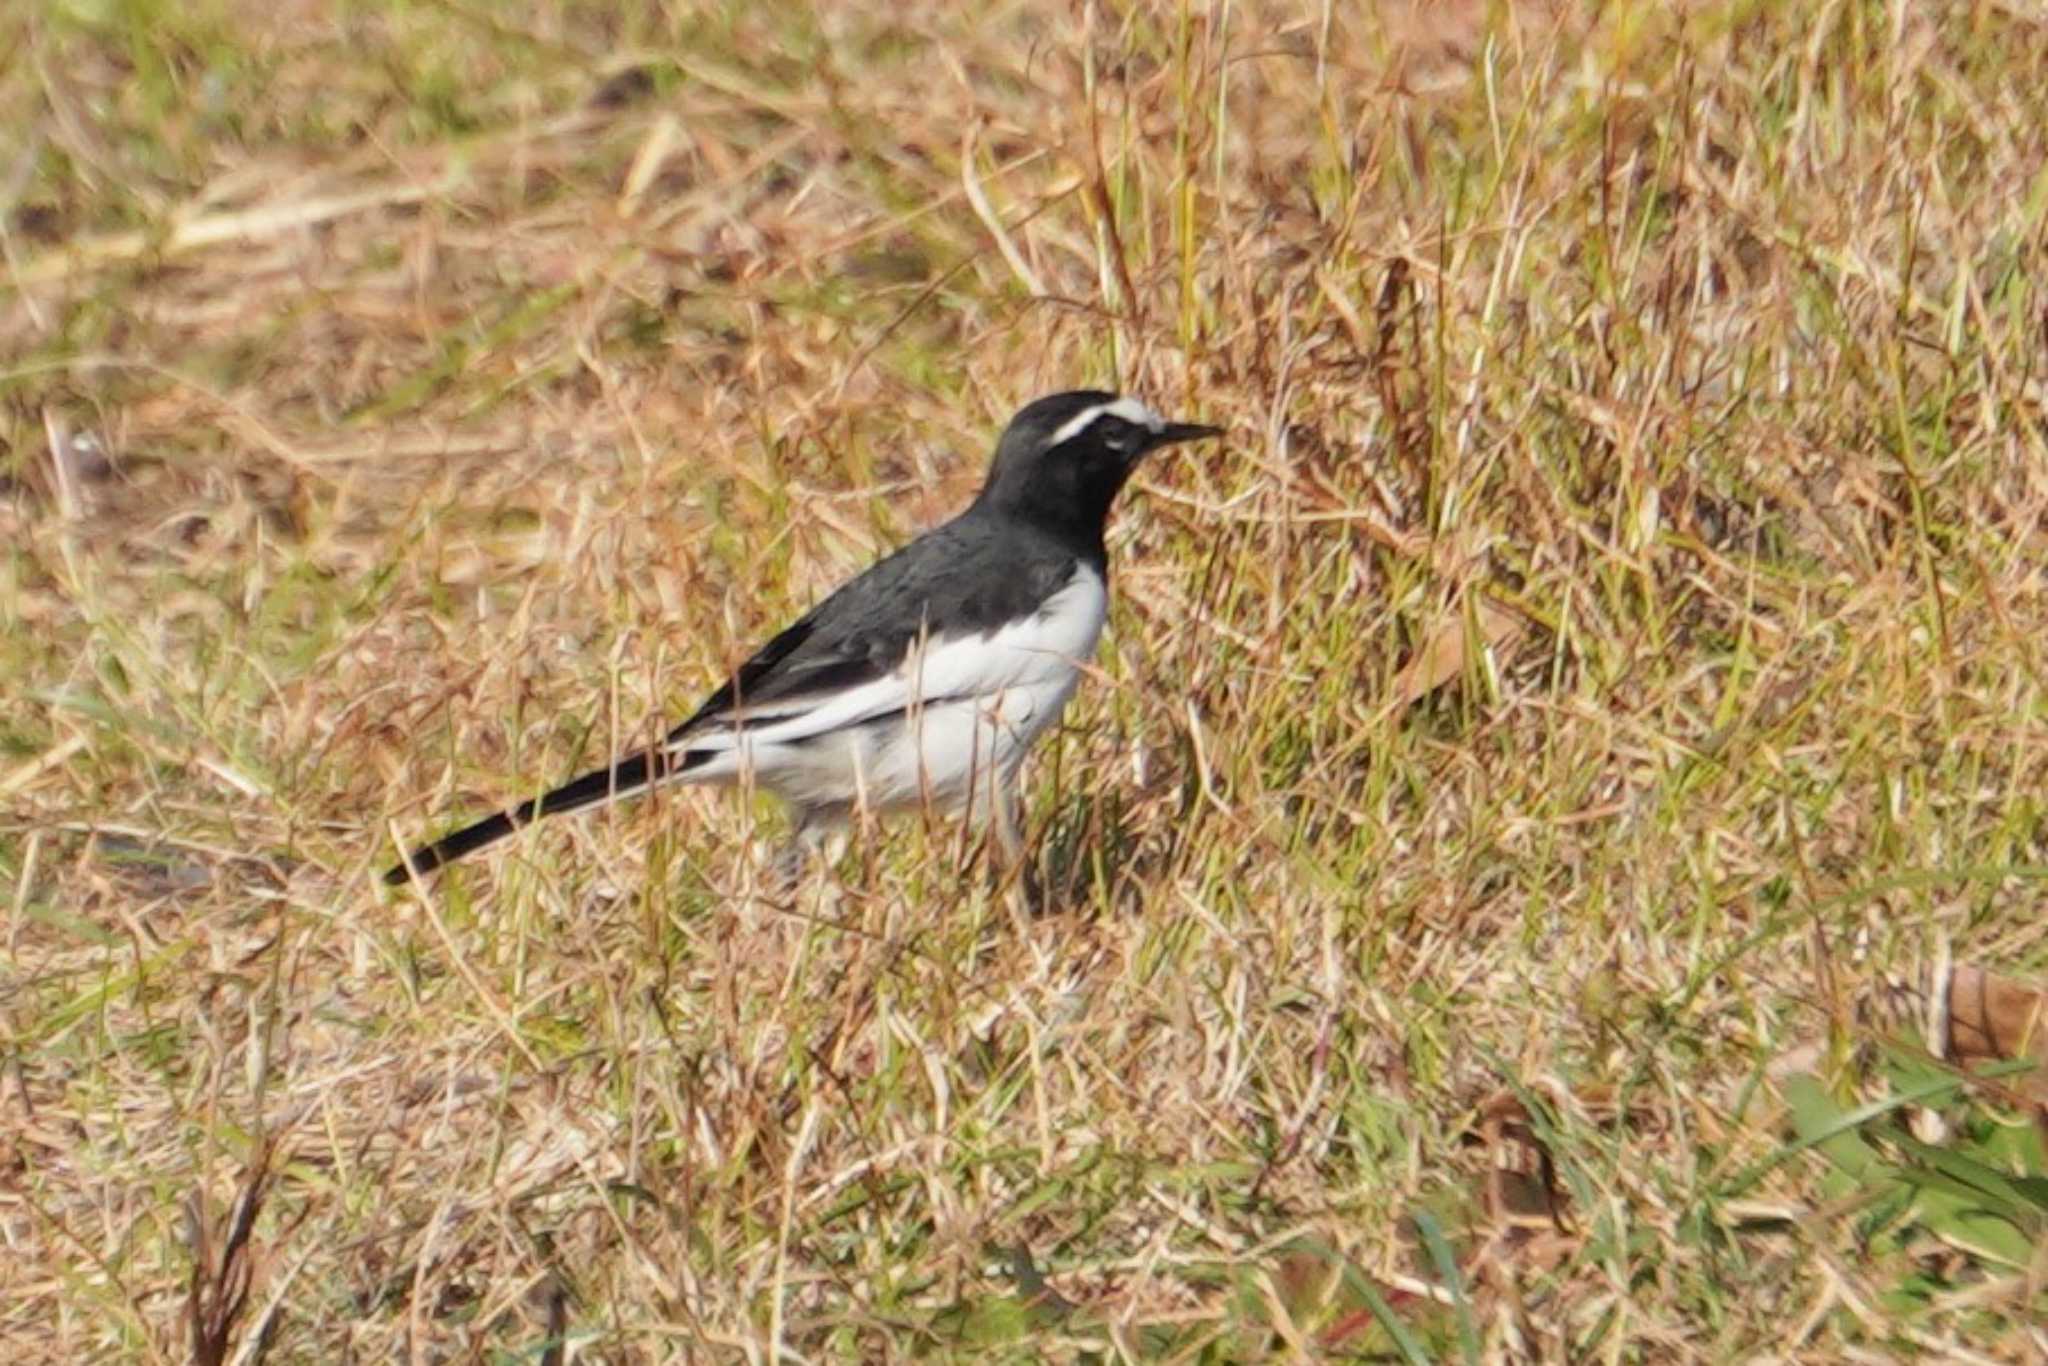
[[1598, 680]]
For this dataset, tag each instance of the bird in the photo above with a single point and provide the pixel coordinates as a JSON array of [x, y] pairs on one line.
[[925, 678]]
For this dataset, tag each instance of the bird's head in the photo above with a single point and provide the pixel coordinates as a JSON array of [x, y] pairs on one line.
[[1063, 458]]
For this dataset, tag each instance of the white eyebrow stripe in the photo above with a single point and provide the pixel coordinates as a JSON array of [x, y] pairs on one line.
[[1129, 409]]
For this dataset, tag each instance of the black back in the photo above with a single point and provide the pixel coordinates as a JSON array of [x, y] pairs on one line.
[[972, 576]]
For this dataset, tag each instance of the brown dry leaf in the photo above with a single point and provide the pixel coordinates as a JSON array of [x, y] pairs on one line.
[[1521, 1187], [1442, 656], [1993, 1018]]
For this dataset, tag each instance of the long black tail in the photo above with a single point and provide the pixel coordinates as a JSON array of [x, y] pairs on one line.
[[622, 779]]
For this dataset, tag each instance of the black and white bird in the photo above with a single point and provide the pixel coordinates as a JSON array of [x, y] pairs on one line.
[[926, 678]]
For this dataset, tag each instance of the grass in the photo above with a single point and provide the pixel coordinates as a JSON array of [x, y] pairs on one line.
[[1553, 772]]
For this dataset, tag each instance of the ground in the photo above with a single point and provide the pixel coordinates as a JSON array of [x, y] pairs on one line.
[[1547, 865]]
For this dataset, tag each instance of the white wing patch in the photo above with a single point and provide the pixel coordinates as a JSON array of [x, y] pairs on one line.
[[1129, 409]]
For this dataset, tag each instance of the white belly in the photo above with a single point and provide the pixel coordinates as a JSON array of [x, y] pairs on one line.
[[951, 754]]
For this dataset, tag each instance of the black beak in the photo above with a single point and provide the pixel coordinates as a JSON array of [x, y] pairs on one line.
[[1176, 432]]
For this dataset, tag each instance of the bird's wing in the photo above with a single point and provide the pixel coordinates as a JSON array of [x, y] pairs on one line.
[[823, 674]]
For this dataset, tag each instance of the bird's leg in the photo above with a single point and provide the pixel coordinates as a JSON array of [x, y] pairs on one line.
[[1007, 855], [1006, 825], [786, 869], [818, 830]]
